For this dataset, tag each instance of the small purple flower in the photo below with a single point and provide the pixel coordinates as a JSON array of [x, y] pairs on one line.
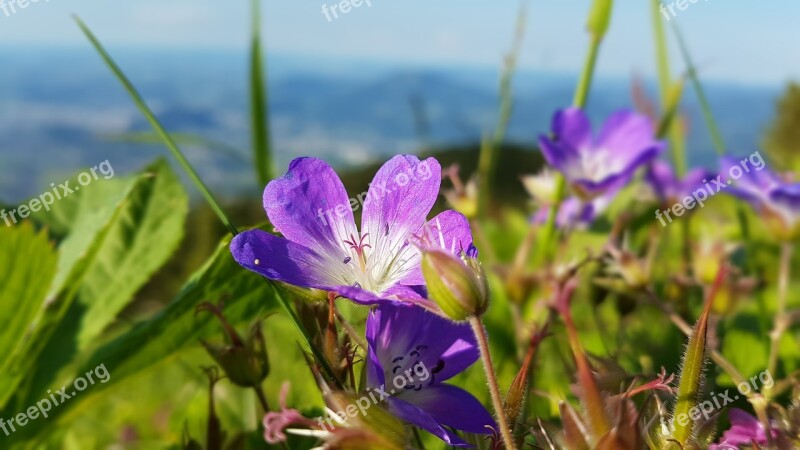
[[745, 429], [411, 352], [668, 188], [593, 166], [323, 249], [775, 199], [575, 212]]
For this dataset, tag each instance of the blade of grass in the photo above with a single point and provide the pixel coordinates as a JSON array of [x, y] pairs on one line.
[[154, 122], [708, 116], [258, 103], [713, 129], [170, 143]]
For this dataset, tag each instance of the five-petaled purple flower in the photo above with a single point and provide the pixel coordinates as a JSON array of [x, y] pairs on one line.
[[594, 166], [411, 352], [323, 249], [745, 429], [775, 199], [669, 188]]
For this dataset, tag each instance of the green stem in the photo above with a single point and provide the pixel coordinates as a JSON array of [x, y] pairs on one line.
[[486, 358], [159, 129], [781, 320], [585, 83], [677, 143], [487, 161]]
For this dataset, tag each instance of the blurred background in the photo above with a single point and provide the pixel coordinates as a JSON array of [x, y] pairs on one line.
[[381, 79]]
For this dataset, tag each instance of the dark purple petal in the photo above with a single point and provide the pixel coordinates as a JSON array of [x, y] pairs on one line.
[[309, 206], [398, 202], [572, 127], [396, 292], [787, 195], [558, 155], [403, 335], [279, 259], [452, 406], [420, 418]]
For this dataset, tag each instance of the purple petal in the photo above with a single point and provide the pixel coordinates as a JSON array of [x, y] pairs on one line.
[[420, 418], [398, 202], [626, 134], [572, 127], [396, 292], [788, 196], [694, 181], [279, 259], [448, 231], [592, 189], [309, 206], [402, 335], [452, 406], [559, 156]]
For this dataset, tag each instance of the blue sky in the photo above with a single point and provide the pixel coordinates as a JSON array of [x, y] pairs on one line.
[[737, 40]]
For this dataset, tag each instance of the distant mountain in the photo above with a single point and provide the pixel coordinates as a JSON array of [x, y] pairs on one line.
[[58, 109]]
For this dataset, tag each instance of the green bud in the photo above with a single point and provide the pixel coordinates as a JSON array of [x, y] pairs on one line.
[[600, 18], [457, 286]]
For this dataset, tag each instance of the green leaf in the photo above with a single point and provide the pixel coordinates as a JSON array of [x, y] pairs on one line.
[[140, 240], [143, 238], [27, 268], [77, 254], [175, 328]]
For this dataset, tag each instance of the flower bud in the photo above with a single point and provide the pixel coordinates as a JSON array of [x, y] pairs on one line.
[[457, 286], [244, 361]]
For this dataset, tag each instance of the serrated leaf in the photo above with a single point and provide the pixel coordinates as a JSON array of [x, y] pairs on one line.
[[141, 239], [26, 270]]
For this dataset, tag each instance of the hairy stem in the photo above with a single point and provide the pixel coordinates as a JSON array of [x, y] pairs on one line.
[[781, 319], [486, 358]]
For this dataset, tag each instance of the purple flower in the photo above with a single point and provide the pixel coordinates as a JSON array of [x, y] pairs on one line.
[[323, 249], [745, 429], [411, 352], [668, 188], [593, 166], [776, 200], [575, 212]]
